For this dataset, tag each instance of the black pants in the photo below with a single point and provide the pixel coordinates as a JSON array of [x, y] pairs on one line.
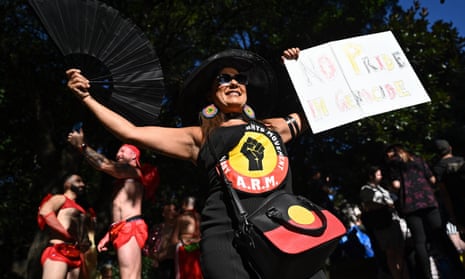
[[427, 228]]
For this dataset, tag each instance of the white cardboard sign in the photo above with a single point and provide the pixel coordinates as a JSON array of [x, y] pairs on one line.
[[343, 81]]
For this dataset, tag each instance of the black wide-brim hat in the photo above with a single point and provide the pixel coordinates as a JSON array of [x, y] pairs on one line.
[[261, 88]]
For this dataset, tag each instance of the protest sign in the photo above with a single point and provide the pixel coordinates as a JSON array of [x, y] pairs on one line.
[[343, 81]]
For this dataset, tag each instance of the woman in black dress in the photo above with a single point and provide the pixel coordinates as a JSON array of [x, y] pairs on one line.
[[252, 152]]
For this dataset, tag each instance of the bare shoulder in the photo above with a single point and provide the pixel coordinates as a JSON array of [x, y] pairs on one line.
[[186, 219], [57, 198], [53, 204]]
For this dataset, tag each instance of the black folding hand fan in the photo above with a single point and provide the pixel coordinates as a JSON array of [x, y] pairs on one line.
[[111, 51]]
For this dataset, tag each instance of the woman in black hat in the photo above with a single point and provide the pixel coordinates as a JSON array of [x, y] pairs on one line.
[[252, 152]]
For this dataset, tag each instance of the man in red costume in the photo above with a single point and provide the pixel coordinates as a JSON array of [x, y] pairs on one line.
[[186, 236], [128, 232], [66, 221]]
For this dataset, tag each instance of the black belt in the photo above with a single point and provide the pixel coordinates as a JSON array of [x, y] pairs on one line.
[[50, 244], [134, 218]]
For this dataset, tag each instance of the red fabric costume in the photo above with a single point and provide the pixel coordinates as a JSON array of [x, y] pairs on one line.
[[121, 232], [69, 203], [188, 262], [63, 252]]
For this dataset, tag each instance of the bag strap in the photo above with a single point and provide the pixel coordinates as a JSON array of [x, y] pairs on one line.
[[271, 213], [241, 212]]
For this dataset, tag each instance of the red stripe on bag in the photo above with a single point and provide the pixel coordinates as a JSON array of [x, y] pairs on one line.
[[293, 243]]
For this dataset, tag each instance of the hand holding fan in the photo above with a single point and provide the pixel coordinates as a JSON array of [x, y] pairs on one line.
[[112, 52]]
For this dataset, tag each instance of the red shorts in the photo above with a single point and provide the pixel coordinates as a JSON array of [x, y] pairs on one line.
[[122, 232], [66, 253]]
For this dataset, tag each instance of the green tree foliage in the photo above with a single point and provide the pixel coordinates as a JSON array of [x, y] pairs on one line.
[[37, 111]]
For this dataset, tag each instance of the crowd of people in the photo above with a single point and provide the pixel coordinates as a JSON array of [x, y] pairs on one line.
[[172, 245], [191, 244], [416, 193]]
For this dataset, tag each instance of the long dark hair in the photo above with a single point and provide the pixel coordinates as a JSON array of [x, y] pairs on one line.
[[400, 151]]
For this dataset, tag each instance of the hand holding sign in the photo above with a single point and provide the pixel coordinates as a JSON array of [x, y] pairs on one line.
[[347, 80]]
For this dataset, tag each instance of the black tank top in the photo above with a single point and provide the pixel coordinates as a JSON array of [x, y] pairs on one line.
[[254, 159]]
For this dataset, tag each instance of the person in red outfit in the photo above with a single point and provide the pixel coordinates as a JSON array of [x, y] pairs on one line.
[[186, 237], [65, 220], [128, 231]]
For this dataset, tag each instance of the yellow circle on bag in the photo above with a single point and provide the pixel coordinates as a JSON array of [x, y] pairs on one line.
[[300, 215]]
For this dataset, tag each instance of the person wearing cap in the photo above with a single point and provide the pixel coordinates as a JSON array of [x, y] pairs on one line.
[[218, 104], [451, 178], [128, 232]]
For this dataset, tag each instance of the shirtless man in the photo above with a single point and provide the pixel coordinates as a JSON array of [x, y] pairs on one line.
[[128, 231], [186, 237], [66, 221]]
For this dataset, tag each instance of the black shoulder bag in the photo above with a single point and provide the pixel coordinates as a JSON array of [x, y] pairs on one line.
[[287, 236]]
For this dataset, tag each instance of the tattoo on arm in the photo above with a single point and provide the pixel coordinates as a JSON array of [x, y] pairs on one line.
[[94, 158], [102, 163]]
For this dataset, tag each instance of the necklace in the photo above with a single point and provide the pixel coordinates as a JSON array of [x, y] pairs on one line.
[[233, 115]]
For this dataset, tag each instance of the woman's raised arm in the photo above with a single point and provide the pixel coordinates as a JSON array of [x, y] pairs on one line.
[[181, 143]]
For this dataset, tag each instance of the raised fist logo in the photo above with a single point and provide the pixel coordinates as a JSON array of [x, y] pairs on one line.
[[254, 152]]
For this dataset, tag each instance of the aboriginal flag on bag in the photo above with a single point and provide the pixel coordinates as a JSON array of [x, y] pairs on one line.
[[300, 228], [290, 237]]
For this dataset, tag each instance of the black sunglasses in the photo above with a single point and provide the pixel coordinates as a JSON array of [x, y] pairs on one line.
[[224, 79]]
